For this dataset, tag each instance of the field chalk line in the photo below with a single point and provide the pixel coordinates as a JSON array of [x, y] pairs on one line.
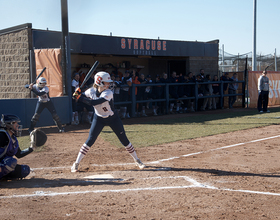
[[192, 181], [195, 184], [168, 159]]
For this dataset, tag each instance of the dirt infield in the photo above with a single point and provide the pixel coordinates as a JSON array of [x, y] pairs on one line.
[[227, 176]]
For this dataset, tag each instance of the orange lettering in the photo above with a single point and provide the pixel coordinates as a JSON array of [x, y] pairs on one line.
[[135, 44], [163, 45], [129, 43], [153, 45], [142, 45], [123, 43], [147, 45], [158, 45]]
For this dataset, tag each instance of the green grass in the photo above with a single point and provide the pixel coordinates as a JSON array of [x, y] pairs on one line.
[[187, 126], [157, 132]]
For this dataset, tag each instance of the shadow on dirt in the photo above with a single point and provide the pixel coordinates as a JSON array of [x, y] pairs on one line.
[[46, 183], [210, 171]]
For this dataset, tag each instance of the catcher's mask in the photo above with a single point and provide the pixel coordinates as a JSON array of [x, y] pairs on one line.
[[10, 122]]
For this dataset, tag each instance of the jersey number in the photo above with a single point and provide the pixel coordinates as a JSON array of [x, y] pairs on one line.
[[105, 109]]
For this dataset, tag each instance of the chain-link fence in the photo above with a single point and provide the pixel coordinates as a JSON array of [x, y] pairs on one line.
[[234, 63]]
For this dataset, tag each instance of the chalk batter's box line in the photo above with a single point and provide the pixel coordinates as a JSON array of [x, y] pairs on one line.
[[195, 184], [171, 158]]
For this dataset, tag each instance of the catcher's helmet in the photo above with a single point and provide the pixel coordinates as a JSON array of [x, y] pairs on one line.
[[8, 121], [101, 77], [41, 82]]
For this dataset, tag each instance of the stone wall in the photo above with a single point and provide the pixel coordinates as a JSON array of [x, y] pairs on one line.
[[209, 64], [15, 64]]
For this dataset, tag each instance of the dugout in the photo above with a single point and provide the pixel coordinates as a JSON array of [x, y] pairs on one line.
[[25, 51]]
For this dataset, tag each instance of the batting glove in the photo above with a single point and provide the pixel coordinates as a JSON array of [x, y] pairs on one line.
[[77, 94]]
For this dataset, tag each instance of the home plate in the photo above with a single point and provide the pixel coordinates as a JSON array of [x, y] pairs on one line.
[[100, 177]]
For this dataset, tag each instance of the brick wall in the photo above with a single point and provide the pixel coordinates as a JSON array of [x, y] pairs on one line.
[[15, 64], [209, 64]]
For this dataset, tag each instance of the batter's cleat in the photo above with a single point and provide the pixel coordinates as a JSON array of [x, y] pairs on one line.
[[61, 130], [140, 164], [74, 167]]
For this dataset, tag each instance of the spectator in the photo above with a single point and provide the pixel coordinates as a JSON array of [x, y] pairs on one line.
[[191, 89], [232, 88], [157, 91], [183, 92], [263, 89], [200, 91], [125, 96], [216, 91], [208, 91], [173, 92], [135, 81], [75, 85], [84, 108], [201, 73], [162, 92], [150, 91], [225, 77], [117, 90], [141, 94]]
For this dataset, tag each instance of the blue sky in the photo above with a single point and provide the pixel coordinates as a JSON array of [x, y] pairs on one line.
[[229, 21]]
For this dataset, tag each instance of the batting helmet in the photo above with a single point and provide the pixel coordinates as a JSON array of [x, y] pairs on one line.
[[101, 77], [41, 82]]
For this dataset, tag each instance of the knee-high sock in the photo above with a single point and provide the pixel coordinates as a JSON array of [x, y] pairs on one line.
[[131, 151], [83, 151]]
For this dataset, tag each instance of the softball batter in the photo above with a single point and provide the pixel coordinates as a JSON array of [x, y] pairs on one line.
[[44, 101], [101, 97]]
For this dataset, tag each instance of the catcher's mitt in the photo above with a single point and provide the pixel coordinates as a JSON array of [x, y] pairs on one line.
[[38, 138]]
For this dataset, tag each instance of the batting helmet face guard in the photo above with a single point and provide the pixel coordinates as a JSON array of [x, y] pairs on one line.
[[102, 77], [41, 82], [10, 122]]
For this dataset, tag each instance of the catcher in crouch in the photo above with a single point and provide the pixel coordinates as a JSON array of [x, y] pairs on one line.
[[101, 97], [9, 147]]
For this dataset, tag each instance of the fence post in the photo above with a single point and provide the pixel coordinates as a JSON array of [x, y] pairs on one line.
[[222, 95], [196, 95], [167, 97], [133, 100], [243, 96]]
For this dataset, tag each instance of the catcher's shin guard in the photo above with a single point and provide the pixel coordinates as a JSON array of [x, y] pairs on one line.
[[8, 166], [21, 171]]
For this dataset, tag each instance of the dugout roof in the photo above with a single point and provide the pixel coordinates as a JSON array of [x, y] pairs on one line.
[[111, 45]]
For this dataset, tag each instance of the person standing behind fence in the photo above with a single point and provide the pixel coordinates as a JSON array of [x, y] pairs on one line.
[[164, 79], [208, 90], [225, 77], [117, 91], [173, 92], [141, 95], [216, 91], [232, 88], [263, 89], [192, 79], [75, 85], [125, 96]]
